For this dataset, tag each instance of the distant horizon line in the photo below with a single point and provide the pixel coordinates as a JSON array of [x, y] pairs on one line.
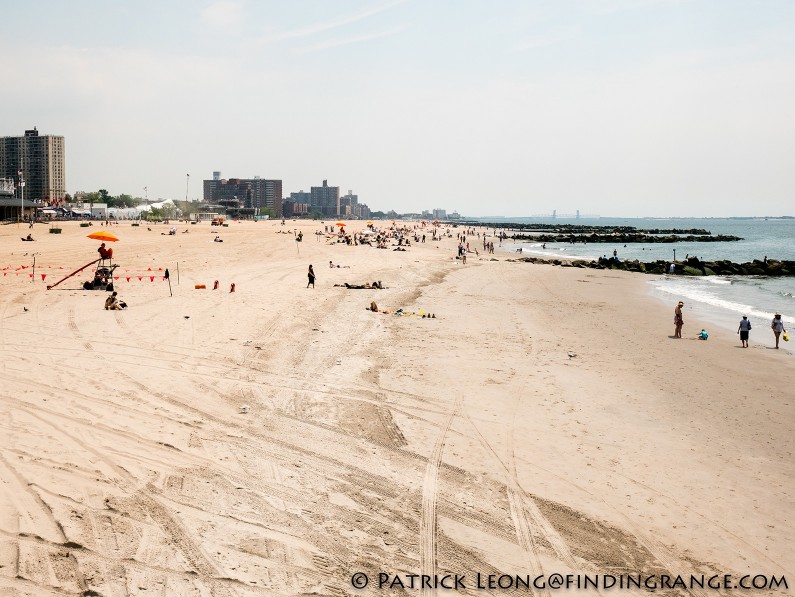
[[585, 217]]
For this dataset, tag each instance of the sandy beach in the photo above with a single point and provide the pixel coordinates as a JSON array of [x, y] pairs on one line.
[[545, 421]]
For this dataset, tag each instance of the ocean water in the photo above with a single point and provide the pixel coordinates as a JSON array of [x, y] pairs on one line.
[[722, 300]]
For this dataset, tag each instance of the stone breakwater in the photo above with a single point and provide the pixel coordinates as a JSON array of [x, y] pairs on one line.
[[624, 238], [690, 267], [584, 228]]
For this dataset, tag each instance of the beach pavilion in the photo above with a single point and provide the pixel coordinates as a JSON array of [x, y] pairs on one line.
[[10, 206]]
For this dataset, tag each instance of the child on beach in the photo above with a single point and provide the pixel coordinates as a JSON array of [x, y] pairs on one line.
[[703, 335]]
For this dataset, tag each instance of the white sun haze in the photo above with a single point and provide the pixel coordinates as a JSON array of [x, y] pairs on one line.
[[615, 107], [335, 23], [225, 13]]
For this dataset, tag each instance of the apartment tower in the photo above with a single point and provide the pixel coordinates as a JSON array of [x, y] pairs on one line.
[[40, 159]]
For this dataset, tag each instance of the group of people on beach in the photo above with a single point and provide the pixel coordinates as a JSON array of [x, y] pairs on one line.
[[744, 329]]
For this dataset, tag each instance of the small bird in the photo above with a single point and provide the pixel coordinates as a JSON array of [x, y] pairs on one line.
[[571, 355], [25, 308]]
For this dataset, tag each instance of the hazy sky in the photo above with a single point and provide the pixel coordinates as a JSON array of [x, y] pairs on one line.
[[612, 107]]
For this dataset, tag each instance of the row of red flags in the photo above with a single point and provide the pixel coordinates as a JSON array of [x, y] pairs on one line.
[[21, 267], [128, 278]]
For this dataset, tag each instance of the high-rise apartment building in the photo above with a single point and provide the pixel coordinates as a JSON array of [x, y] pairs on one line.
[[41, 160], [251, 193], [326, 199]]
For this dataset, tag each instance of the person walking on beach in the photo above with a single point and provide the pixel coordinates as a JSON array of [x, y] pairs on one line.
[[311, 275], [777, 326], [678, 320], [744, 329]]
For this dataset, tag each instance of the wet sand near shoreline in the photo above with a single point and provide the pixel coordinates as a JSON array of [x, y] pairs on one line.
[[544, 422]]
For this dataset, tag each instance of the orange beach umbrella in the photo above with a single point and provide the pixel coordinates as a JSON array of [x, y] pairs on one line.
[[341, 224], [102, 235]]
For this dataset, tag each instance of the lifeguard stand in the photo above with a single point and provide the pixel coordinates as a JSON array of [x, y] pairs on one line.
[[103, 276]]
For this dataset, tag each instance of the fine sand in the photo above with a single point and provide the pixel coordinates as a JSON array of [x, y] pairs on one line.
[[467, 443]]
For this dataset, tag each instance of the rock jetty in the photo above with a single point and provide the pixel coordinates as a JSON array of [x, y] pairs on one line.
[[625, 238], [691, 267], [585, 229]]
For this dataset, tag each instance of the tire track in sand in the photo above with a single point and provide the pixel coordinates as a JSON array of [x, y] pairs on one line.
[[524, 534], [145, 498], [430, 498], [662, 554], [75, 330]]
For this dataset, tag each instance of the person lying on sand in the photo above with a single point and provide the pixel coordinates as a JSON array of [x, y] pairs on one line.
[[374, 285], [374, 308], [331, 265], [28, 238], [217, 239], [356, 286]]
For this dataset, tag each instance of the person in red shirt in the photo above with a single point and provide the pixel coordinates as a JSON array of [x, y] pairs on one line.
[[105, 253]]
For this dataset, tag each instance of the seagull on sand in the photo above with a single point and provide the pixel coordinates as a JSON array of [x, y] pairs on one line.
[[571, 355]]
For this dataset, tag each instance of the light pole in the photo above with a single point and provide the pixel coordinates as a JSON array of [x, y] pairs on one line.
[[146, 195], [21, 196], [187, 186]]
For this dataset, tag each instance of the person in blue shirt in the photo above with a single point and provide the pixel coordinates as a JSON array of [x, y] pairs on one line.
[[703, 335], [744, 330]]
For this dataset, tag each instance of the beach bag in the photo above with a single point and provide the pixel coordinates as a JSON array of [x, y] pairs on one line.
[[785, 336]]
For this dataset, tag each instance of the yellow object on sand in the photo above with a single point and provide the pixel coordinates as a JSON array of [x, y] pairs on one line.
[[785, 336]]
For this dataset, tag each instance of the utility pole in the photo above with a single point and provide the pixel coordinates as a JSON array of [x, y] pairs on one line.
[[187, 186], [21, 196]]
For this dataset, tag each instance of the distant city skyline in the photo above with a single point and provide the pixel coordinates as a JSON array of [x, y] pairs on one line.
[[616, 107]]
